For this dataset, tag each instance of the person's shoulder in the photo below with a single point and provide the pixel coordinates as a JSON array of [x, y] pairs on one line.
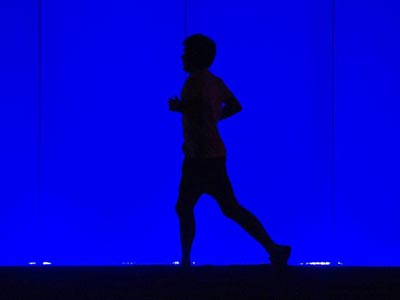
[[217, 78], [220, 82], [223, 87]]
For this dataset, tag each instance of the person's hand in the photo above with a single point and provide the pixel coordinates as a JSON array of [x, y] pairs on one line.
[[175, 104]]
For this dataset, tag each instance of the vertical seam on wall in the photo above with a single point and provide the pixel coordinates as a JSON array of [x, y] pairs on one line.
[[185, 17], [333, 124], [40, 112]]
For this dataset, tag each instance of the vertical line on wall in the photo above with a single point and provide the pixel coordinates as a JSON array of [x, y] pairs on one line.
[[185, 17], [40, 115], [185, 23], [333, 124]]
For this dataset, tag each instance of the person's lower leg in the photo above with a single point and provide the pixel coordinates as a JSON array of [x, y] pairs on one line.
[[253, 226], [187, 233]]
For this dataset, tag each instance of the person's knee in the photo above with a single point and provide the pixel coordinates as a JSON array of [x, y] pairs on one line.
[[232, 211], [179, 209], [183, 210]]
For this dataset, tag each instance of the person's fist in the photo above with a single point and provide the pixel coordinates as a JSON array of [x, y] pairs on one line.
[[175, 104]]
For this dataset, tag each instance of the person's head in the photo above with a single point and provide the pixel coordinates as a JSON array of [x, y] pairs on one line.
[[199, 53]]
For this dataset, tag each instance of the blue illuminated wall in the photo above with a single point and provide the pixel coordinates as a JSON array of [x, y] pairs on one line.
[[367, 143], [111, 147], [18, 131], [91, 156]]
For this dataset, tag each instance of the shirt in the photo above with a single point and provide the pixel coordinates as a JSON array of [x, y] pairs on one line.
[[203, 95]]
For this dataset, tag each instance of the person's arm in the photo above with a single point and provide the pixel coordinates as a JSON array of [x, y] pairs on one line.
[[175, 104], [191, 98], [231, 107]]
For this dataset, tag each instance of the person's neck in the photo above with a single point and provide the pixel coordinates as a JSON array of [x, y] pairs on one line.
[[197, 72]]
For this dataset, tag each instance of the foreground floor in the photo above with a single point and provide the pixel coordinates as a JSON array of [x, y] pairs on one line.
[[170, 282]]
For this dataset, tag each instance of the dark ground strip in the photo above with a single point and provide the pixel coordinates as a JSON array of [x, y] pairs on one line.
[[205, 282]]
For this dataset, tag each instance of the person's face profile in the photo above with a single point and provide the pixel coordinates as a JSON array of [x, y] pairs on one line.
[[187, 65]]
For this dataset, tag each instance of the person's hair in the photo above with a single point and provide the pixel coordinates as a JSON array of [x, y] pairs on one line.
[[201, 50]]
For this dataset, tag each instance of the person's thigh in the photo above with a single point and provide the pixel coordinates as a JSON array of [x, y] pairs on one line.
[[220, 188], [191, 186]]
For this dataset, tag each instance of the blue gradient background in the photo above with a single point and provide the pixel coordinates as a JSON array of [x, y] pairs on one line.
[[90, 158]]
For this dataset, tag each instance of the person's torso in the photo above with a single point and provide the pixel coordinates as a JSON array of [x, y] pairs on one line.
[[203, 94]]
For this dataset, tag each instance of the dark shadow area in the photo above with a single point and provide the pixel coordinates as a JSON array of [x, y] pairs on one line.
[[202, 282]]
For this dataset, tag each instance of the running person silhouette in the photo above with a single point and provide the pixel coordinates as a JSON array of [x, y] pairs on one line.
[[205, 100]]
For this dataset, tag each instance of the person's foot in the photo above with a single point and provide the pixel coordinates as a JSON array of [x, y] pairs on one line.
[[279, 256], [185, 263]]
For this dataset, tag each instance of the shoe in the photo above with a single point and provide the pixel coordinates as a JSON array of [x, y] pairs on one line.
[[280, 255]]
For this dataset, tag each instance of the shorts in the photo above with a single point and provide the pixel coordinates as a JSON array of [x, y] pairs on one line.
[[205, 176]]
